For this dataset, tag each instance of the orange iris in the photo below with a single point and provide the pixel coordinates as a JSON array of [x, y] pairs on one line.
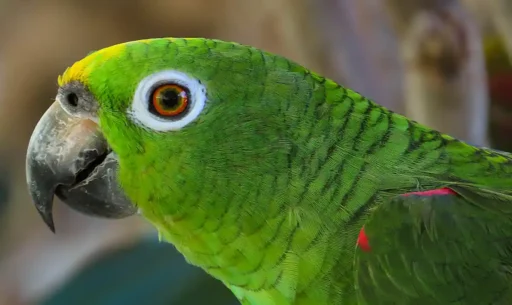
[[170, 100]]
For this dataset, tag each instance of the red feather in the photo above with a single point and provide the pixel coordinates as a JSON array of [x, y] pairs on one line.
[[362, 241], [436, 192]]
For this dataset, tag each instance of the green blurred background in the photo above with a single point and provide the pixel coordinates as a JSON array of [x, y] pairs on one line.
[[444, 63]]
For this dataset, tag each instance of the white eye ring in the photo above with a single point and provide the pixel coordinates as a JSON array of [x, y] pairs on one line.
[[139, 111]]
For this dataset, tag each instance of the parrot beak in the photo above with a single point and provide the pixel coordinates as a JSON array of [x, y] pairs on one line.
[[69, 157]]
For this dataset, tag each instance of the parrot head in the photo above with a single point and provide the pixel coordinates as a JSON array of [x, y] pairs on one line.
[[163, 127]]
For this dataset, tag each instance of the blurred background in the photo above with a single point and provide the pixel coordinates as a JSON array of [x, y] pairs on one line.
[[444, 63]]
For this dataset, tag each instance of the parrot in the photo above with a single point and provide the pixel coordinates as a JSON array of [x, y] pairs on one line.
[[284, 185]]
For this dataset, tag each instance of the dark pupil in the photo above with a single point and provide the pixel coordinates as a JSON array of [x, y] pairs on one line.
[[170, 99]]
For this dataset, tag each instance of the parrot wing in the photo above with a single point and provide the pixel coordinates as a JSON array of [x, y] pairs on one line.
[[444, 246]]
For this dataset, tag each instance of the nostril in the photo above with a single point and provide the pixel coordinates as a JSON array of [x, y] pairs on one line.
[[72, 99]]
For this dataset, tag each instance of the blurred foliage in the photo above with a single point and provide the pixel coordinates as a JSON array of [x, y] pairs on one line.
[[147, 272], [4, 191], [497, 59], [499, 69]]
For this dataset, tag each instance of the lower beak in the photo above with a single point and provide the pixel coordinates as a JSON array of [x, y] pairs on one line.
[[70, 158]]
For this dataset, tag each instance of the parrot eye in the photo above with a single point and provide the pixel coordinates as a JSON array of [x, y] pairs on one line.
[[167, 100]]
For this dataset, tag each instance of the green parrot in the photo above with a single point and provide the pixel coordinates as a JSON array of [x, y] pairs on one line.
[[284, 185]]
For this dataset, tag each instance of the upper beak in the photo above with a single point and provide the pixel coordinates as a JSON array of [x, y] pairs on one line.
[[69, 157]]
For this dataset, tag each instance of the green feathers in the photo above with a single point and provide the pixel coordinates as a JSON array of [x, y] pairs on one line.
[[267, 176]]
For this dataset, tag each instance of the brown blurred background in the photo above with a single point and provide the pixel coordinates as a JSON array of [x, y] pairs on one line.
[[443, 63]]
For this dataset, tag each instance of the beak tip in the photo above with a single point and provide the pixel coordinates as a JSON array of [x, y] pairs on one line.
[[50, 224], [47, 217]]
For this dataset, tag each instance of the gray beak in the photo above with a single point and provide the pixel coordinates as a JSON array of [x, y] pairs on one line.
[[69, 157]]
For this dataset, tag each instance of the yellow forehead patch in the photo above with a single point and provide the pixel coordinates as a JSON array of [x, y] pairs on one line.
[[81, 69]]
